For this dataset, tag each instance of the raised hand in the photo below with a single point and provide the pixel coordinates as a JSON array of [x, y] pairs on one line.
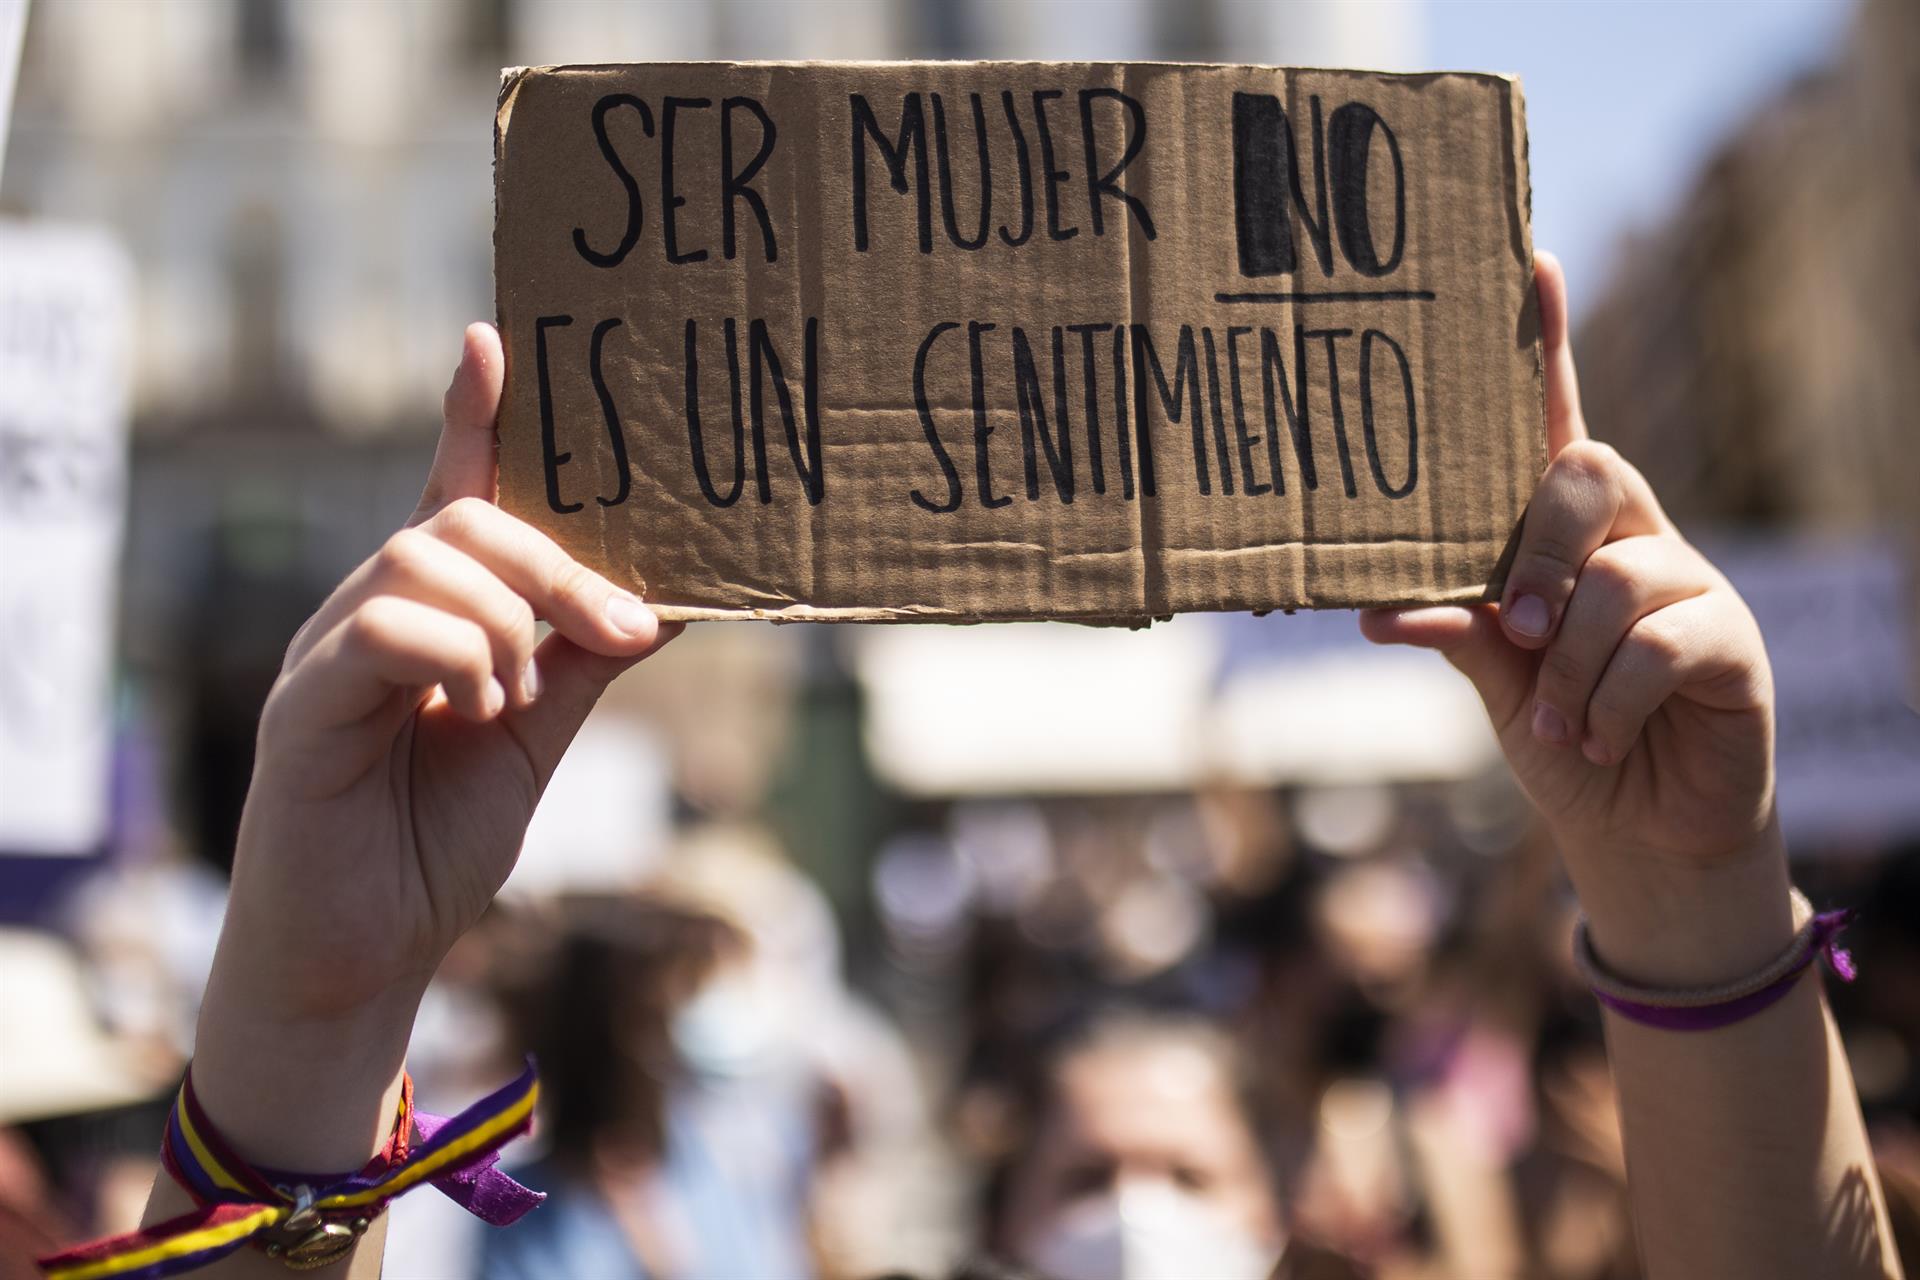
[[1626, 679], [401, 753]]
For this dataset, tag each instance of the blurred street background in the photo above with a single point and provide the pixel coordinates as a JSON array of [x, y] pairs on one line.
[[239, 240]]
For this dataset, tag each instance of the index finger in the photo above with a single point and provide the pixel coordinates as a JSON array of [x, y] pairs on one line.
[[1565, 422], [1588, 496], [583, 606]]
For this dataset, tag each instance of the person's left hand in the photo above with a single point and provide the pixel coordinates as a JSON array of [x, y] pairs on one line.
[[1626, 679]]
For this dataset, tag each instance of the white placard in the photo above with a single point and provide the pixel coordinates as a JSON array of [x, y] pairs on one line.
[[1835, 619], [66, 298]]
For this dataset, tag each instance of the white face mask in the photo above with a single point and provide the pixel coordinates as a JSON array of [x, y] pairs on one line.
[[1147, 1231], [727, 1031]]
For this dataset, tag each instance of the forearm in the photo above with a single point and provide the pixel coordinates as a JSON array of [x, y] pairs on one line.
[[1746, 1153]]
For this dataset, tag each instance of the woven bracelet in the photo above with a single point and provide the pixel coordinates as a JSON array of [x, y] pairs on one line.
[[310, 1220], [1705, 1008]]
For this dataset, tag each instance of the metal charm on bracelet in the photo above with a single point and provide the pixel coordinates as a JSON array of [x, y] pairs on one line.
[[305, 1243]]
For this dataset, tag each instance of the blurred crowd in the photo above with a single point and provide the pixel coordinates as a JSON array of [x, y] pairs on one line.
[[1331, 1030]]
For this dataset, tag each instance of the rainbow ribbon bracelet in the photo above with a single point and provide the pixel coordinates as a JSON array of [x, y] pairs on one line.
[[307, 1220]]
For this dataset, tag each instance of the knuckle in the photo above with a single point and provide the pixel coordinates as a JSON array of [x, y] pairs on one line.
[[369, 626], [512, 623], [462, 516], [361, 632], [1559, 669], [1609, 576], [520, 620], [403, 553], [464, 657], [575, 586], [1592, 461], [1608, 714], [1661, 645], [1551, 559]]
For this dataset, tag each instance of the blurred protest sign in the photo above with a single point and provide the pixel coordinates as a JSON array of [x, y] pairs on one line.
[[66, 299], [1835, 618], [1085, 341]]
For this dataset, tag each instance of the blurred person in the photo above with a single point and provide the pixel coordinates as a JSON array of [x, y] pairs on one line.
[[464, 1042], [148, 933], [419, 712], [61, 1065], [783, 1023], [1570, 1185], [1885, 1024], [31, 1219], [1142, 1158], [670, 1149]]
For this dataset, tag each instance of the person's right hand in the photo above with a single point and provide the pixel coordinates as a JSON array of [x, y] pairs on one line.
[[416, 720]]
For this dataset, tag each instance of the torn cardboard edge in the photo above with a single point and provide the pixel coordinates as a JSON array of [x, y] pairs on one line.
[[668, 612]]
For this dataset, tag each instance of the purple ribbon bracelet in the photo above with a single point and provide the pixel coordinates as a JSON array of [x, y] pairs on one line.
[[1707, 1008]]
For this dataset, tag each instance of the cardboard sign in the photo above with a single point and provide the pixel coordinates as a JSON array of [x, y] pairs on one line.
[[971, 341]]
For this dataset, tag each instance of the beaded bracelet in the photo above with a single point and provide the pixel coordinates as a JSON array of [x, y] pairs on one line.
[[310, 1220], [1705, 1008]]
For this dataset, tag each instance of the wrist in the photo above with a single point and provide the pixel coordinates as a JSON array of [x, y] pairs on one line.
[[1680, 922], [298, 1091]]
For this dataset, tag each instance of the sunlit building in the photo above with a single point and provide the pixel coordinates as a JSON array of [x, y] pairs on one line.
[[306, 187], [1756, 355]]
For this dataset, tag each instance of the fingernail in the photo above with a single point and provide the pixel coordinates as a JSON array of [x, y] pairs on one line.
[[1596, 751], [1548, 725], [1529, 616], [628, 615], [530, 681], [494, 700]]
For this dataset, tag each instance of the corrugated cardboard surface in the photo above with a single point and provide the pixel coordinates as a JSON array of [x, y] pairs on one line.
[[879, 523]]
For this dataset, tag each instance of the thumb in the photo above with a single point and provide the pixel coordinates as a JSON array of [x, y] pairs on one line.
[[464, 461], [571, 682], [1469, 638]]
